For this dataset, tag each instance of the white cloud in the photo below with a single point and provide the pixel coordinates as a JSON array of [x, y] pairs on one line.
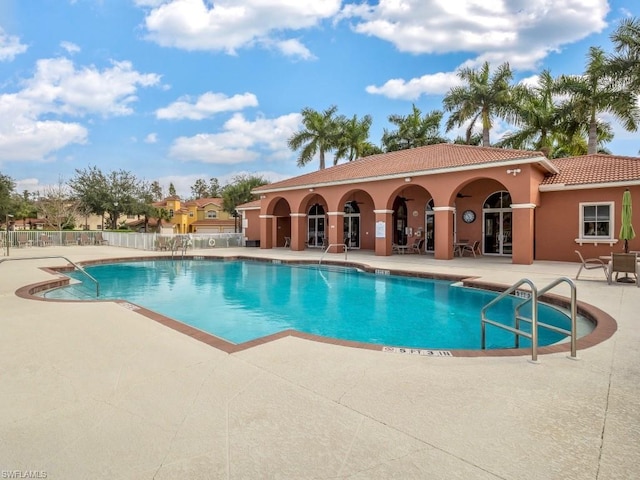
[[207, 105], [522, 33], [29, 184], [58, 87], [242, 141], [494, 31], [151, 138], [23, 138], [70, 47], [294, 48], [27, 131], [10, 46], [226, 25], [432, 84]]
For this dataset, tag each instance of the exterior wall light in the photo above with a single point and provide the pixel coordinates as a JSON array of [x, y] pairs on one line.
[[408, 179], [514, 171]]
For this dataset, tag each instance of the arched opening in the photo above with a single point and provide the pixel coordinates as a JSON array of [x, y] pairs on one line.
[[496, 223], [315, 226]]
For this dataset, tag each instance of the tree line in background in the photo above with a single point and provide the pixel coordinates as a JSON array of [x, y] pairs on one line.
[[111, 195], [558, 116]]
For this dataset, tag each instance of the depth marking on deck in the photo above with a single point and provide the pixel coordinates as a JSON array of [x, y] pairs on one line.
[[418, 351], [129, 306]]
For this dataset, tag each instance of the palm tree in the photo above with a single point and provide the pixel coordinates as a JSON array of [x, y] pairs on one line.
[[536, 114], [353, 141], [162, 214], [321, 134], [596, 91], [482, 98], [414, 130], [625, 64]]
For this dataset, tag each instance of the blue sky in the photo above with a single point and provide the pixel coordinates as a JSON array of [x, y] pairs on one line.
[[176, 90]]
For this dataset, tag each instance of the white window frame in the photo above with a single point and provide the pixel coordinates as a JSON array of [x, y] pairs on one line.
[[596, 239], [212, 214]]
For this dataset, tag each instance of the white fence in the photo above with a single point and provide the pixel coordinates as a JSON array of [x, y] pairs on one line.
[[140, 241]]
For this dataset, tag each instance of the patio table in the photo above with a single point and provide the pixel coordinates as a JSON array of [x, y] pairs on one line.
[[459, 247]]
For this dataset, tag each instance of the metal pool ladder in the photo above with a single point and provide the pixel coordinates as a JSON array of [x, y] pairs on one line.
[[78, 267], [346, 248], [532, 298]]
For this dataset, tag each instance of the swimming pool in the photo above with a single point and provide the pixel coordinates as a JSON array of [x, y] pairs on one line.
[[241, 301]]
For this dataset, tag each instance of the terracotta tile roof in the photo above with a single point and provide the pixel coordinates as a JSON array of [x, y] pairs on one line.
[[201, 202], [249, 205], [422, 159], [592, 169]]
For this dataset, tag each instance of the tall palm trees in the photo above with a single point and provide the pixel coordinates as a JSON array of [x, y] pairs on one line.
[[354, 138], [414, 130], [324, 132], [536, 113], [483, 97], [320, 134], [595, 92], [626, 62]]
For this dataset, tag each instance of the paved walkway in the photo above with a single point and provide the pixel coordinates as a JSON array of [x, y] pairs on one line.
[[93, 390]]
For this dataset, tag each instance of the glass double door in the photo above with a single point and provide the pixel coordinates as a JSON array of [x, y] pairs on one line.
[[498, 238], [352, 231], [316, 231]]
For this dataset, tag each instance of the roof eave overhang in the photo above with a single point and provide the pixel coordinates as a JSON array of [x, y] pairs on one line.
[[558, 187], [542, 161]]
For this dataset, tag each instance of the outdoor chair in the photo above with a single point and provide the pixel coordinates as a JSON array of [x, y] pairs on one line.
[[591, 264], [84, 239], [162, 243], [287, 242], [70, 239], [471, 249], [100, 240], [23, 240], [45, 241], [418, 246], [624, 263]]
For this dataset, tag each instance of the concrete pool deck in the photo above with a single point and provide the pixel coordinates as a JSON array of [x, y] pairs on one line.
[[94, 390]]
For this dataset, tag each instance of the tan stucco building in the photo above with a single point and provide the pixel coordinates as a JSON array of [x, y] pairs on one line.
[[511, 202], [204, 215]]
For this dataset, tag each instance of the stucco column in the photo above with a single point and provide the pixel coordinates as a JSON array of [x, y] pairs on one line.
[[266, 231], [335, 225], [444, 232], [383, 226], [298, 231], [522, 233]]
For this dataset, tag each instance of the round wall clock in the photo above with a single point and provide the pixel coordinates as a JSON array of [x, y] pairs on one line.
[[468, 216]]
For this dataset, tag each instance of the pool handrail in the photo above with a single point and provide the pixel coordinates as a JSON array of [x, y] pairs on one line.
[[533, 336], [78, 267], [573, 312], [346, 248], [533, 297]]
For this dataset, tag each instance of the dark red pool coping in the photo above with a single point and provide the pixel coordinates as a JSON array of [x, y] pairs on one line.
[[605, 324]]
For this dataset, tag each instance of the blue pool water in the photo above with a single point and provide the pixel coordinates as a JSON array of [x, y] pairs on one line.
[[241, 301]]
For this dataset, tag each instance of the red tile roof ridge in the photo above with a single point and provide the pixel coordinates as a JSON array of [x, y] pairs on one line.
[[403, 162]]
